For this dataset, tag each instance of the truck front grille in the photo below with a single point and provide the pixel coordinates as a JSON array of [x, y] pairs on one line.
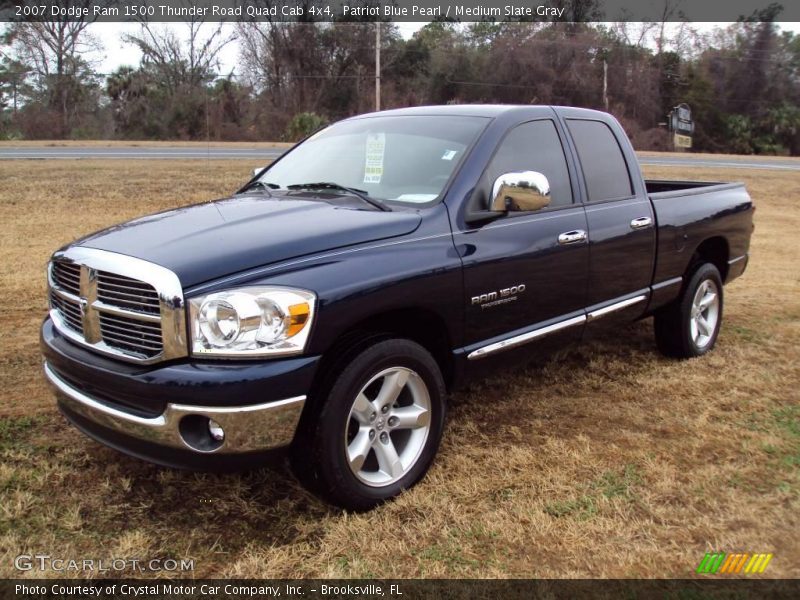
[[70, 311], [67, 276], [128, 293], [131, 335], [117, 305]]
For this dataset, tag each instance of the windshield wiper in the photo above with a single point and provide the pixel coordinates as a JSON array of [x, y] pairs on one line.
[[327, 185], [260, 185]]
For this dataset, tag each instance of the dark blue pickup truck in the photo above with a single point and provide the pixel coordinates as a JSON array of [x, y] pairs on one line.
[[329, 305]]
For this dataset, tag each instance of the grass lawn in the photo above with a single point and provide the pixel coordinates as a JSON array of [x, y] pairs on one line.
[[606, 461]]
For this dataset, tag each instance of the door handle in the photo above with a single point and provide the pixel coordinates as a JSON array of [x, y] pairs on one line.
[[572, 237], [641, 223]]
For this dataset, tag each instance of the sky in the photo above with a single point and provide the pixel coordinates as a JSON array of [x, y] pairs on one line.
[[116, 53]]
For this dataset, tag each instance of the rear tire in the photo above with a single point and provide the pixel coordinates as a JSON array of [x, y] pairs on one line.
[[690, 325], [377, 431]]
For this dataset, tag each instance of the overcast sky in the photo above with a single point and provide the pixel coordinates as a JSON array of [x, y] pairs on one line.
[[116, 53]]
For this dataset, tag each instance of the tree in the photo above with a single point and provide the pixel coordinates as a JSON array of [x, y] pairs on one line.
[[187, 62], [134, 97], [170, 90], [52, 56], [742, 82], [230, 110], [13, 80], [322, 68]]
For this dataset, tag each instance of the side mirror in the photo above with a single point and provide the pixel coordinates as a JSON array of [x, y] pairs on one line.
[[258, 170], [523, 191]]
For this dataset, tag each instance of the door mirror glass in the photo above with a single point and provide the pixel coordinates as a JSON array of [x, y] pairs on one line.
[[521, 191]]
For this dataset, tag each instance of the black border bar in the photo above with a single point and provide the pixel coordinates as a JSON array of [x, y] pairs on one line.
[[397, 10], [402, 589]]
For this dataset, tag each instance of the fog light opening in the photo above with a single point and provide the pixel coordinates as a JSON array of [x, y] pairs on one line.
[[201, 433], [216, 431]]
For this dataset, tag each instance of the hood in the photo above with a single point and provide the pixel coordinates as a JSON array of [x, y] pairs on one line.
[[206, 241]]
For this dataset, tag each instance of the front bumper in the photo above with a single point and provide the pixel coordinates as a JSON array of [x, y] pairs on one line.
[[246, 428], [162, 412]]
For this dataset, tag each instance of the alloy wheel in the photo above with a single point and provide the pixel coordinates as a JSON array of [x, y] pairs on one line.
[[704, 314], [388, 425]]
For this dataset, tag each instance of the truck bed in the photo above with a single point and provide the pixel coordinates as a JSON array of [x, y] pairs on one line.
[[662, 188], [689, 212]]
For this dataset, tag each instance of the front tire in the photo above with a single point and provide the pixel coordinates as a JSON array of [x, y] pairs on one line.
[[690, 325], [378, 430]]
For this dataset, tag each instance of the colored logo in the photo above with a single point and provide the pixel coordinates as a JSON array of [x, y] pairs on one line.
[[719, 563]]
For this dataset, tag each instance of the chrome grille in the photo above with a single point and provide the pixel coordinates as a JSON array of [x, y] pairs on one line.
[[68, 277], [128, 293], [131, 335], [117, 305], [70, 311]]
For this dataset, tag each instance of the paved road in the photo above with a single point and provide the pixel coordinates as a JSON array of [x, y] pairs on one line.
[[220, 152], [751, 162]]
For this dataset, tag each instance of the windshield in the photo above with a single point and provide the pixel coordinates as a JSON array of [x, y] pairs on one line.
[[400, 159]]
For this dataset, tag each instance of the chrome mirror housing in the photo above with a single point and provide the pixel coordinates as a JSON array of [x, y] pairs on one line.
[[522, 191]]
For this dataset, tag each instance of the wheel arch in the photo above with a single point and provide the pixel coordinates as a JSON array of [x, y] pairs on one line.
[[714, 250], [420, 325]]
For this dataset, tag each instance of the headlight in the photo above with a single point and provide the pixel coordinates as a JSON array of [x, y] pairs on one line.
[[251, 321]]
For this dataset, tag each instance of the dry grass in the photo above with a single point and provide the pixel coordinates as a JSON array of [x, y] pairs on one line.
[[606, 461]]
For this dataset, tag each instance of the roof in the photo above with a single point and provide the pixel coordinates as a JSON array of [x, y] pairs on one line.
[[489, 111], [472, 110]]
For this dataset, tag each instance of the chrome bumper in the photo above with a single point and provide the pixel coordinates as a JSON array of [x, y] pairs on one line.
[[247, 428]]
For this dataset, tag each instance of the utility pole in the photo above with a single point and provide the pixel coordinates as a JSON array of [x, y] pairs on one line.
[[605, 83], [377, 65], [359, 75]]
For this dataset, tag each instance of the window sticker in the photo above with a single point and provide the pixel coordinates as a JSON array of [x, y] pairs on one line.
[[373, 167], [449, 154]]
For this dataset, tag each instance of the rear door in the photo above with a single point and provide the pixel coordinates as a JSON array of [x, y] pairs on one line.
[[517, 275], [621, 223]]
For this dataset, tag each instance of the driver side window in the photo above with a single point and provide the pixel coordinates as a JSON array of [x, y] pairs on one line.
[[534, 146]]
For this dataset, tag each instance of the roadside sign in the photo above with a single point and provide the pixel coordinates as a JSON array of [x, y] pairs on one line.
[[682, 141], [681, 125]]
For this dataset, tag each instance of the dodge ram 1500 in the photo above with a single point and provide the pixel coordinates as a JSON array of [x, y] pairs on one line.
[[328, 306]]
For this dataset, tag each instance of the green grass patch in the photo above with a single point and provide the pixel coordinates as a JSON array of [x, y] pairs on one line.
[[480, 533], [782, 454], [453, 550], [745, 334], [15, 431], [448, 554], [614, 484], [788, 420], [582, 508], [610, 485]]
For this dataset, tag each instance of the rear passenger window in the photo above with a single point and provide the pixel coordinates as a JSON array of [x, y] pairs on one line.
[[603, 164], [534, 146]]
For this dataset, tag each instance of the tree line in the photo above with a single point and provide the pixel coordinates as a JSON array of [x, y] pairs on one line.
[[742, 82]]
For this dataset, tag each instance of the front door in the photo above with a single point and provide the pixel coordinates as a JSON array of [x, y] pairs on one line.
[[527, 270]]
